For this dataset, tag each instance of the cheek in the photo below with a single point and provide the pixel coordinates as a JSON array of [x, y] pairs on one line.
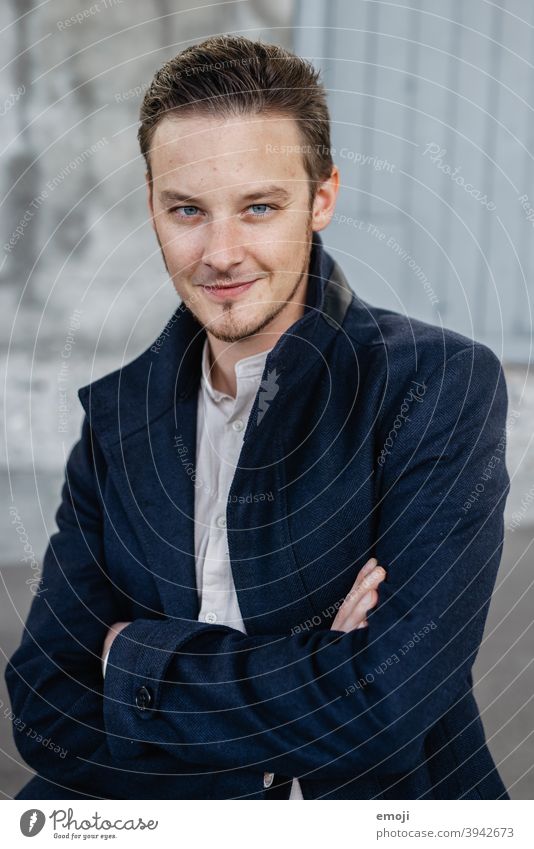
[[283, 260], [181, 249]]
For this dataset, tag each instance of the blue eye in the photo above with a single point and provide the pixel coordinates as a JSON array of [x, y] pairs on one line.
[[188, 211], [262, 207]]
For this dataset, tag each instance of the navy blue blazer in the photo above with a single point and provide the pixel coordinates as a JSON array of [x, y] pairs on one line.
[[372, 434]]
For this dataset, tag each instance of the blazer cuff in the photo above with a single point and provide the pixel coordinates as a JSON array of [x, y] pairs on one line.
[[136, 665]]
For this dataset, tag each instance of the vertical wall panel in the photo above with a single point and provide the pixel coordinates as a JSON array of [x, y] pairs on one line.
[[444, 94]]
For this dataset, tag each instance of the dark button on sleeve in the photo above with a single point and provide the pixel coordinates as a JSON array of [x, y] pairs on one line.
[[143, 698]]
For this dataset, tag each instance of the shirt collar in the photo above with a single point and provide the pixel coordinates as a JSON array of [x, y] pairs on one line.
[[245, 368]]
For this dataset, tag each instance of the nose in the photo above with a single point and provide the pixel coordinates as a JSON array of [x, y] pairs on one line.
[[224, 248]]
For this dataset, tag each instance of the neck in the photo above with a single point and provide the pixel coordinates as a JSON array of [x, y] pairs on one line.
[[223, 356]]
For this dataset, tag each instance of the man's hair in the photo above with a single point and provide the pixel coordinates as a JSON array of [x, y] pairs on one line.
[[229, 76]]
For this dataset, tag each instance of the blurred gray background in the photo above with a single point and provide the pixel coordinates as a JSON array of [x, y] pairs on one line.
[[433, 130]]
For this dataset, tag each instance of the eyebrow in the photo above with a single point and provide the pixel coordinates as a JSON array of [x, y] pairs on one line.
[[273, 191]]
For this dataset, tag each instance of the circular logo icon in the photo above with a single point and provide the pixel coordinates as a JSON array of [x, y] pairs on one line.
[[31, 822]]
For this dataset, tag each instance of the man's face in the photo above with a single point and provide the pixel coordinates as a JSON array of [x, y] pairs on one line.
[[230, 205]]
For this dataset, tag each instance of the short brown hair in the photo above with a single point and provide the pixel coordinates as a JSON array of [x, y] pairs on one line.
[[232, 75]]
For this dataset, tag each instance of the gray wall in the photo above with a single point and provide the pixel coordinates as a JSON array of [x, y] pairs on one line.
[[416, 87]]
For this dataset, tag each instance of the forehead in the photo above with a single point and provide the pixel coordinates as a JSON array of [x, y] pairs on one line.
[[206, 151]]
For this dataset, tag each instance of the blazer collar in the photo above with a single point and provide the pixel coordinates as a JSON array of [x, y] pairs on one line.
[[129, 398]]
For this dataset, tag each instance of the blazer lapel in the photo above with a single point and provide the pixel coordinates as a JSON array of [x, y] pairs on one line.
[[142, 415], [152, 479]]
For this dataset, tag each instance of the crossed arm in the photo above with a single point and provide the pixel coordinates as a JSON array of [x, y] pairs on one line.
[[351, 614], [329, 703]]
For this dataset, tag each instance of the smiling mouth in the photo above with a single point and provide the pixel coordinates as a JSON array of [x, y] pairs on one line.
[[235, 285], [227, 291]]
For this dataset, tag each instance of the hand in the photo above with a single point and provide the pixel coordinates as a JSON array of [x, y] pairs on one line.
[[361, 598], [110, 636]]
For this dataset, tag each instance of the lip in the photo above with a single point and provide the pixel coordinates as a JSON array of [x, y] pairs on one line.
[[221, 293]]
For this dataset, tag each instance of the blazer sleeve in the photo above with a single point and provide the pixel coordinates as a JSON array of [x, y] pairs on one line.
[[54, 678], [326, 701]]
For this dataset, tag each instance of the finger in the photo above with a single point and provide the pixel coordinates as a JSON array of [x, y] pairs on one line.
[[353, 609], [366, 568], [351, 601], [370, 581], [357, 615]]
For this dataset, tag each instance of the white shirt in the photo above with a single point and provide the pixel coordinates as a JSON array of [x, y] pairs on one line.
[[221, 423]]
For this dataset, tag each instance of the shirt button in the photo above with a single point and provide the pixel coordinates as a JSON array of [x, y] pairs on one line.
[[238, 425], [221, 521], [268, 778], [211, 617]]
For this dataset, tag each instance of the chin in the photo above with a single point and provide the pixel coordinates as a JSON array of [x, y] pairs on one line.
[[232, 331], [230, 334]]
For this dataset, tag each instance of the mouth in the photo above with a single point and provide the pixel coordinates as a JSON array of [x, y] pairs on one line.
[[220, 293]]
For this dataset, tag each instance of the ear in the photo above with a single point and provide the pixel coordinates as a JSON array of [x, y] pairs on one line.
[[150, 199], [324, 202]]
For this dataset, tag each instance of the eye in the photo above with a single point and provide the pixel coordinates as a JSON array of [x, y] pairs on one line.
[[260, 209], [188, 211]]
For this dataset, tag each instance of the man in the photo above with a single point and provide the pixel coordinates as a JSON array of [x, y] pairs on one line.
[[245, 475]]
